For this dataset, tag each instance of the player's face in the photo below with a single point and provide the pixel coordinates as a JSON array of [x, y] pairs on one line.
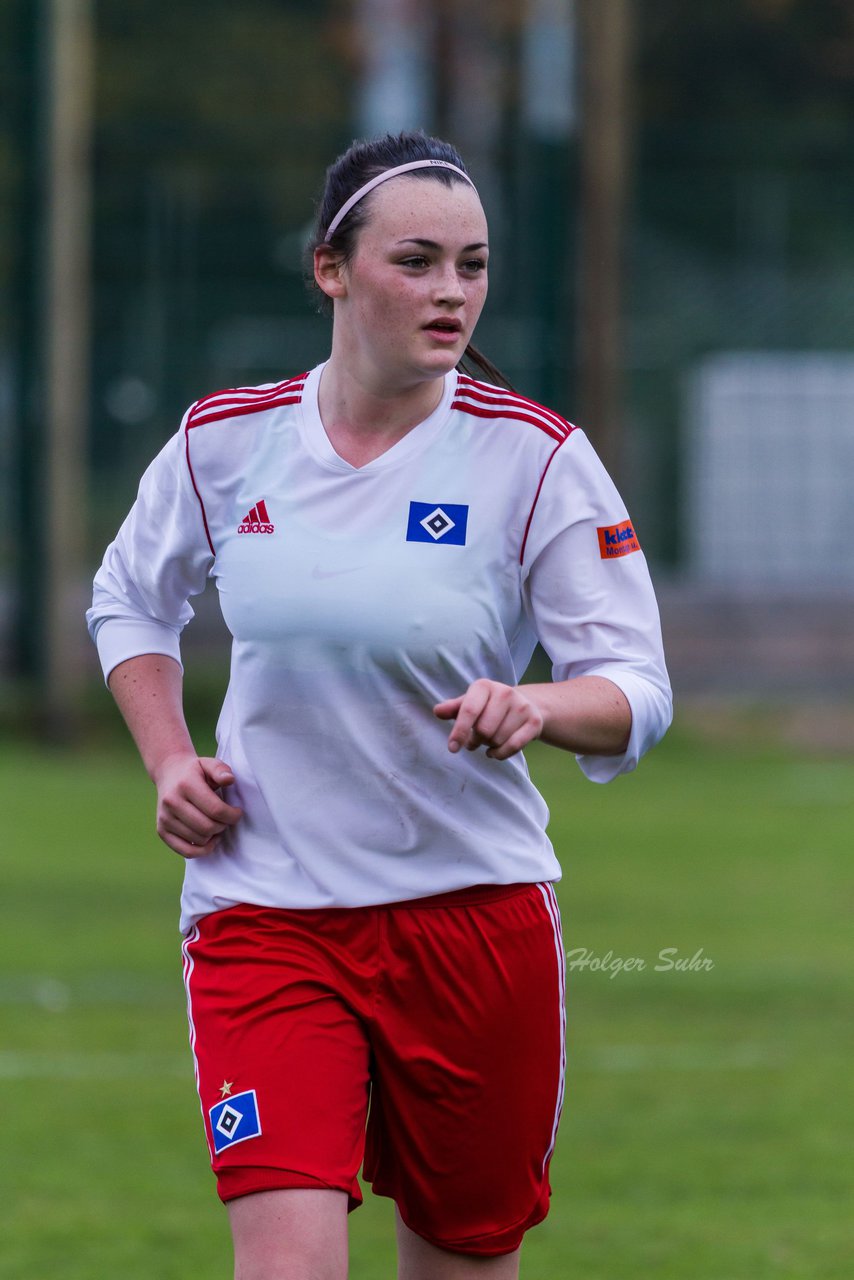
[[417, 281]]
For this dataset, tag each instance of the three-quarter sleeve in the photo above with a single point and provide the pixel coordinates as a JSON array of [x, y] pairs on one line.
[[158, 559], [590, 598]]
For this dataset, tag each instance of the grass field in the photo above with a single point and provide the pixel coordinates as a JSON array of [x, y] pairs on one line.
[[708, 1127]]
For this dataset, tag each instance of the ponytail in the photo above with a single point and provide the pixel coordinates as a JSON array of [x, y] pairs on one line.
[[475, 360]]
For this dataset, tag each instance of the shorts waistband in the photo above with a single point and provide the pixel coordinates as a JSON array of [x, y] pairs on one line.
[[472, 895]]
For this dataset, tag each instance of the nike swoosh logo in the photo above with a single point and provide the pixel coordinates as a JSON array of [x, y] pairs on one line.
[[317, 572]]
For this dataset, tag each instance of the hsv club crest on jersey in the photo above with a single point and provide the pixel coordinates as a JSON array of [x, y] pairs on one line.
[[234, 1120], [438, 522]]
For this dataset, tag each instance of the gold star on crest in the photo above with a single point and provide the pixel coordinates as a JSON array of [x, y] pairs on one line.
[[225, 1088]]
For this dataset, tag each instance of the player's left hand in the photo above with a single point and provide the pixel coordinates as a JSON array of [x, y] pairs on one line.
[[493, 715]]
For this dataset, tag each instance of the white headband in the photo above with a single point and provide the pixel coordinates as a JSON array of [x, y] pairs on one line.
[[383, 177]]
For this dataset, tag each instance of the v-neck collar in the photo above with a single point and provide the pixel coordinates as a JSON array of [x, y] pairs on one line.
[[416, 439]]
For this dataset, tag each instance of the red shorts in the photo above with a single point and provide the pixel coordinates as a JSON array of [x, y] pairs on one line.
[[424, 1038]]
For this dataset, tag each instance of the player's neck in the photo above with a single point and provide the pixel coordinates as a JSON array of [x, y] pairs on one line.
[[362, 416]]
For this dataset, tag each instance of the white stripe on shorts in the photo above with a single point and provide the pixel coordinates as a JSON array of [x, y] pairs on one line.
[[550, 899], [189, 965]]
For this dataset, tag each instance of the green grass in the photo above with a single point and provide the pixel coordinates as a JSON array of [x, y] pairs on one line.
[[707, 1131]]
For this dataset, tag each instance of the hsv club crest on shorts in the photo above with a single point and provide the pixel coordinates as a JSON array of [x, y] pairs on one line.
[[437, 522], [234, 1120]]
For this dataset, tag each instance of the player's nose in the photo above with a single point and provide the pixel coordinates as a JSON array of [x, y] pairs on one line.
[[449, 289]]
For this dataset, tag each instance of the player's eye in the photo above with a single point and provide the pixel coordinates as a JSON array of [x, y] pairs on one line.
[[416, 260], [474, 265]]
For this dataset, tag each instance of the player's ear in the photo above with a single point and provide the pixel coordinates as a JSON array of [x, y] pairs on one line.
[[329, 272]]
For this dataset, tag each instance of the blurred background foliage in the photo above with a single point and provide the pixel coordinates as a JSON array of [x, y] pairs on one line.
[[211, 128]]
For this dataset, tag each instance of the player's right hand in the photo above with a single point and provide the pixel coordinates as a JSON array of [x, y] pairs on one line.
[[191, 814]]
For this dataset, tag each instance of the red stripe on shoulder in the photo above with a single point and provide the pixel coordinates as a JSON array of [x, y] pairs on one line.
[[240, 410], [235, 402], [488, 393], [483, 400], [480, 412]]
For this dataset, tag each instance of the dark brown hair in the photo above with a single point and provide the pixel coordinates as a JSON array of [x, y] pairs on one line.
[[366, 159]]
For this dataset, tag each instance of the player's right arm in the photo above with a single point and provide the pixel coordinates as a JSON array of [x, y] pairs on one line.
[[191, 815], [160, 557]]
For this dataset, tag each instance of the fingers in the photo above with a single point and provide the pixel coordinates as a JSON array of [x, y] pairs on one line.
[[217, 773], [187, 850], [491, 714], [191, 815], [515, 743], [447, 710], [192, 831], [186, 830], [195, 813], [472, 706]]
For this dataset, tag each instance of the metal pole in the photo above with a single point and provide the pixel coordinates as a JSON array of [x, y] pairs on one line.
[[27, 536], [66, 319], [605, 59]]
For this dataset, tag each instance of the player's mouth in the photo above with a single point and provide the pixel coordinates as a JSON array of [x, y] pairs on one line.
[[444, 329]]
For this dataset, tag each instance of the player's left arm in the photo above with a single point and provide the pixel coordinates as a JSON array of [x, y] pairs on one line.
[[587, 592], [589, 715]]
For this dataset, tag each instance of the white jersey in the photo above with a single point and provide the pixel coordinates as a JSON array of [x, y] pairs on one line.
[[358, 598]]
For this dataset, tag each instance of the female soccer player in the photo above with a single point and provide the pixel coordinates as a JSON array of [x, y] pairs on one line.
[[372, 948]]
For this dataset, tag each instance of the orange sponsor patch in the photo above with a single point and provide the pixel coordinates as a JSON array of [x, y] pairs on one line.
[[617, 540]]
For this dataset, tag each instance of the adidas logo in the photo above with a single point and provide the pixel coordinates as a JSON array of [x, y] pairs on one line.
[[257, 521]]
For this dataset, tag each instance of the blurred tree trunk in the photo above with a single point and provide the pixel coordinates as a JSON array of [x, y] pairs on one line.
[[470, 66], [54, 376], [67, 328], [605, 37], [547, 201]]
